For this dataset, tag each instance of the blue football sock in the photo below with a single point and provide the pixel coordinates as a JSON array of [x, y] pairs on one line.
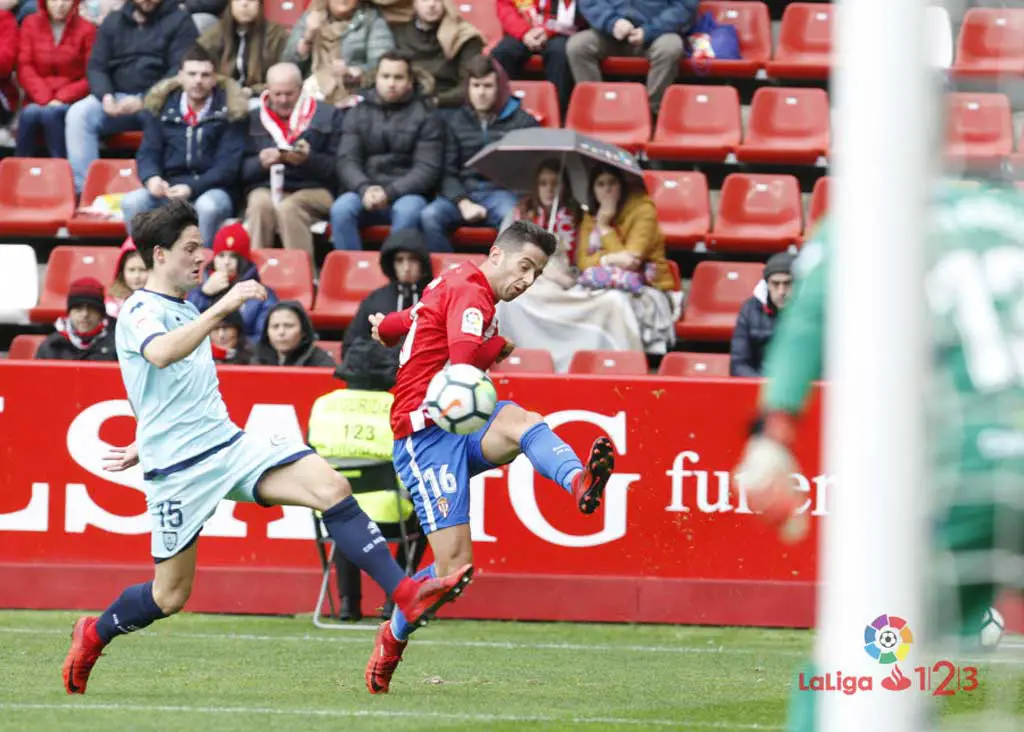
[[550, 456], [133, 610], [359, 539], [400, 627]]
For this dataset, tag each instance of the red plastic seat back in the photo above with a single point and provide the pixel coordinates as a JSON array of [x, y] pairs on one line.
[[626, 363], [526, 361], [288, 272], [24, 346], [539, 98], [616, 112], [695, 365]]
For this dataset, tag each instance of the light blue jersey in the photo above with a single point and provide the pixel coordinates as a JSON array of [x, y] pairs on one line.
[[180, 413]]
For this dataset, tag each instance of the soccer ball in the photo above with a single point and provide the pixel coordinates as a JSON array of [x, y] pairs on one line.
[[992, 628], [460, 399]]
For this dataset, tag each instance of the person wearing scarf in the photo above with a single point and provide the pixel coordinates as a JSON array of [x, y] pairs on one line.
[[85, 333], [756, 323], [228, 342], [440, 44], [337, 43], [245, 45], [293, 130]]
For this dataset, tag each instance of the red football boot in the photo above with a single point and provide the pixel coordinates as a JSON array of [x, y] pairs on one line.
[[85, 650], [588, 485], [387, 652], [431, 594]]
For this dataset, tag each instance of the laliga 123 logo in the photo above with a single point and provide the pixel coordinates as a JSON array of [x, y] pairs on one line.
[[887, 639]]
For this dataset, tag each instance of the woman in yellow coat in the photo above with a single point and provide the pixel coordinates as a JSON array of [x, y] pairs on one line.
[[620, 234], [621, 247]]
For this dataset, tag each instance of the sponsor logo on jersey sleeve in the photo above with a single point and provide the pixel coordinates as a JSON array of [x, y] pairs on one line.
[[473, 322]]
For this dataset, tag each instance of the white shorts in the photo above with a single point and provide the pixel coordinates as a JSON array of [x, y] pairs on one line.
[[181, 502]]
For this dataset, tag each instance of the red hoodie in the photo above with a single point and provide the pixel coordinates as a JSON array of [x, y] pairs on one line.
[[49, 71], [8, 57], [518, 16]]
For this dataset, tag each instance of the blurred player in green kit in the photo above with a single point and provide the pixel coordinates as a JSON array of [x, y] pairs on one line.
[[974, 402]]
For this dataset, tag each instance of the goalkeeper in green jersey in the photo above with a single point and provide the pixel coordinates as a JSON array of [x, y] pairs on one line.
[[975, 399]]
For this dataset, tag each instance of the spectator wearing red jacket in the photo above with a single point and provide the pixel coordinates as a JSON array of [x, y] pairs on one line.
[[8, 60], [55, 47], [538, 26]]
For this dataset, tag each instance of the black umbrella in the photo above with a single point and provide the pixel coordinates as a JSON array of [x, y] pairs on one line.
[[513, 160]]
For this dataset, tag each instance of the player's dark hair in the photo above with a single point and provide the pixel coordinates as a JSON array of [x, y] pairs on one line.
[[522, 232], [161, 227], [198, 53]]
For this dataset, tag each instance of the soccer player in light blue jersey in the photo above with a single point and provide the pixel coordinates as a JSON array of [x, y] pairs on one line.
[[193, 456]]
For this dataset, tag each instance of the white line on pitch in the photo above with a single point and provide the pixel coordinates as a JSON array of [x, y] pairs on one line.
[[503, 645], [382, 713]]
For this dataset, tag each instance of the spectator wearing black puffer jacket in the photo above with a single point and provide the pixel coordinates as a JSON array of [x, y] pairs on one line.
[[467, 198], [289, 339], [390, 157], [756, 322], [137, 46]]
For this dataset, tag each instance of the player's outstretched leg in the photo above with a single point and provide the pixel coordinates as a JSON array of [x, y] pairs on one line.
[[313, 483], [516, 430], [136, 608]]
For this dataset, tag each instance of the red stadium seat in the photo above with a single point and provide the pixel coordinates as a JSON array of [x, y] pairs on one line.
[[482, 14], [697, 123], [804, 50], [332, 347], [67, 264], [979, 128], [37, 196], [104, 176], [346, 279], [285, 12], [616, 112], [24, 346], [695, 365], [288, 272], [717, 292], [681, 198], [526, 361], [789, 126], [991, 42], [442, 262], [539, 98], [677, 278], [475, 236], [124, 141], [757, 213], [623, 363], [818, 206], [753, 26]]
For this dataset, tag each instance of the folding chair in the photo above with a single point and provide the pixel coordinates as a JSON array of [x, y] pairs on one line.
[[365, 476]]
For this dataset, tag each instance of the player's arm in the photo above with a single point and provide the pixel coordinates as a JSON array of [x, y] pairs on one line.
[[164, 349], [389, 329], [792, 364], [465, 326]]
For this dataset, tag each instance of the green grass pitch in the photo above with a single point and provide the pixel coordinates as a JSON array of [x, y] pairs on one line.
[[227, 673]]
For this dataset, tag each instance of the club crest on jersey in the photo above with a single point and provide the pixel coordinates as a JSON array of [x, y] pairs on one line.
[[442, 506], [473, 322], [170, 540]]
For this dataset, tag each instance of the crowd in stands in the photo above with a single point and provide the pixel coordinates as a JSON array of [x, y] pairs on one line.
[[359, 114]]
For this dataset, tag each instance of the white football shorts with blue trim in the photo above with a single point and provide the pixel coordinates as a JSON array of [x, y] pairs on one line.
[[183, 497]]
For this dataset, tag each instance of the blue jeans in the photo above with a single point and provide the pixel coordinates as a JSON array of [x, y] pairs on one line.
[[36, 117], [86, 123], [441, 216], [348, 214], [213, 208]]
